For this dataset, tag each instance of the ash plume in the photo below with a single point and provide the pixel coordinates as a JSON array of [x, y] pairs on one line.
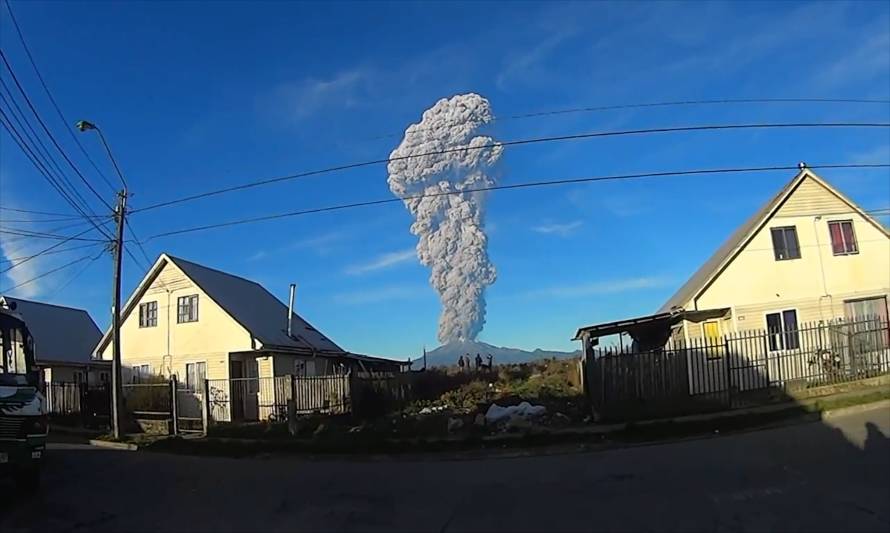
[[450, 228]]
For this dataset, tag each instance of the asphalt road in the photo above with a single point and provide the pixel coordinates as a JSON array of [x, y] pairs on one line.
[[830, 476]]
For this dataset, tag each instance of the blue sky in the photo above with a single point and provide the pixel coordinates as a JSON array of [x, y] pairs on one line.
[[196, 96]]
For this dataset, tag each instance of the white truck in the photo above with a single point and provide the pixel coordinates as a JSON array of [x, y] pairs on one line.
[[23, 410]]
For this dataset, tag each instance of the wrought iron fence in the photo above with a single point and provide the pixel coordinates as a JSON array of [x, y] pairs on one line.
[[266, 398], [735, 369]]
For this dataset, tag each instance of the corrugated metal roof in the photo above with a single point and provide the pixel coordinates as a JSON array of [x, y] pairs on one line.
[[712, 267], [255, 308], [61, 334]]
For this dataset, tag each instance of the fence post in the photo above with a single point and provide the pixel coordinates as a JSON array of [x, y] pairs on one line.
[[174, 404], [205, 409], [727, 374]]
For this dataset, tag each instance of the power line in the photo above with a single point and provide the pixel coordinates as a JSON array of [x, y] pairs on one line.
[[47, 273], [48, 250], [51, 98], [50, 135], [138, 242], [36, 221], [41, 168], [14, 260], [578, 136], [51, 231], [48, 213], [674, 103], [16, 137], [25, 127], [41, 235], [524, 185], [76, 274]]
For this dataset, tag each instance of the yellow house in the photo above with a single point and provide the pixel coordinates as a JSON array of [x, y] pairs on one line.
[[809, 255], [199, 323]]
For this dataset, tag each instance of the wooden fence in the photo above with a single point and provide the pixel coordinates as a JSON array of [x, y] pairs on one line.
[[734, 370]]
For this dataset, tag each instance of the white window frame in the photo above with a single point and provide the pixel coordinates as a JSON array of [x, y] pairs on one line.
[[192, 315], [193, 381], [143, 316], [785, 242], [843, 239], [780, 313]]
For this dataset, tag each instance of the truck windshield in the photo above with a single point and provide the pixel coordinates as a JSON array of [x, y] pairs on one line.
[[15, 355]]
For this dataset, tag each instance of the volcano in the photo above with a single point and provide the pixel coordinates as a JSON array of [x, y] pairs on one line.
[[447, 354]]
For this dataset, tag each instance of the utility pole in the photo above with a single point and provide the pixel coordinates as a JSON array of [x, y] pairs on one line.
[[118, 251], [120, 217]]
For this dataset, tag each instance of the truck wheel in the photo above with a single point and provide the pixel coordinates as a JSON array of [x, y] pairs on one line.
[[28, 479]]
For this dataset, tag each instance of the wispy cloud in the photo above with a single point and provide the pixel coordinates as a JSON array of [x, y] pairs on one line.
[[562, 230], [865, 62], [307, 97], [528, 63], [382, 262], [321, 244], [381, 294], [598, 288], [259, 254], [624, 206], [878, 154], [22, 271]]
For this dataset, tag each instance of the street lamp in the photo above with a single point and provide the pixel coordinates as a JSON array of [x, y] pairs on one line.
[[85, 125], [120, 217]]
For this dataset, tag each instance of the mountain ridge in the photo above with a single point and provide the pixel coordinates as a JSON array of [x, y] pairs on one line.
[[447, 354]]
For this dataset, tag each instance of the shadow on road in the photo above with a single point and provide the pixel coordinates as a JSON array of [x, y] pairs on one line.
[[826, 475]]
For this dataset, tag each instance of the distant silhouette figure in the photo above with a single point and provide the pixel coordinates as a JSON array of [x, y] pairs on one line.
[[460, 363], [478, 362], [490, 361]]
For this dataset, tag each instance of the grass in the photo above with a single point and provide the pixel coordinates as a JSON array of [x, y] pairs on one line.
[[373, 442], [546, 381]]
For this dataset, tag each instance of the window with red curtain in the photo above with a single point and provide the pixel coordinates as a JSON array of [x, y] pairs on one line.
[[843, 239]]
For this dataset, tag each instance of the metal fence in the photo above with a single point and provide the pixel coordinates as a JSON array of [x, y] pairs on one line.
[[736, 369], [91, 403], [148, 399], [167, 404], [266, 398]]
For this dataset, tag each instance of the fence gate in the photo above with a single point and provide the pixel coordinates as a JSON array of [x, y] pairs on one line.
[[747, 362], [188, 409]]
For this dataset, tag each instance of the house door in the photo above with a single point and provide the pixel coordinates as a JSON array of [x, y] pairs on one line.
[[236, 371]]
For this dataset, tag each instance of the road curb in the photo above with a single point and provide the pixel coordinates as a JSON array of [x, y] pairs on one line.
[[68, 430], [855, 409], [125, 446]]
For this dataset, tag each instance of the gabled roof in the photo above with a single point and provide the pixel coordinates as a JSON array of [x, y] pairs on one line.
[[247, 302], [708, 272], [61, 334]]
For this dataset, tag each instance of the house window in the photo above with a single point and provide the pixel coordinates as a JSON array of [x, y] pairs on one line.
[[866, 308], [195, 374], [843, 240], [187, 309], [148, 315], [141, 373], [785, 245], [783, 331]]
